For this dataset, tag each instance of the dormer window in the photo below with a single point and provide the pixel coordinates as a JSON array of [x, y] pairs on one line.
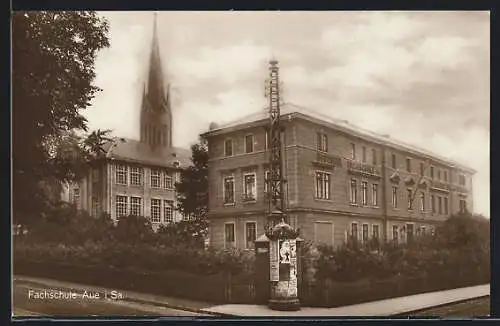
[[228, 147]]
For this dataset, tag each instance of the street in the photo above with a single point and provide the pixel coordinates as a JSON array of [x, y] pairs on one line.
[[472, 308], [27, 301]]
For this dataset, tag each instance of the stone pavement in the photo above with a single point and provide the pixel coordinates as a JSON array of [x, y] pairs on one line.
[[388, 307]]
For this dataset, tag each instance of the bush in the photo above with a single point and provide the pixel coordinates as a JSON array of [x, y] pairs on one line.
[[134, 230], [460, 246], [66, 224], [189, 233], [138, 257]]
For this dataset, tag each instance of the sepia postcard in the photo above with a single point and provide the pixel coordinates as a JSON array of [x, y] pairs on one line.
[[250, 164]]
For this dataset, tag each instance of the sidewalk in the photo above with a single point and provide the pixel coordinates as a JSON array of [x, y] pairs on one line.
[[386, 308], [130, 296], [389, 307]]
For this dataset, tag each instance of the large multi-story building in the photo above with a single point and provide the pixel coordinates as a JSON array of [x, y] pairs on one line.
[[340, 181], [138, 176]]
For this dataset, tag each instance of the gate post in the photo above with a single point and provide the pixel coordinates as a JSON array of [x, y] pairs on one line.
[[262, 269]]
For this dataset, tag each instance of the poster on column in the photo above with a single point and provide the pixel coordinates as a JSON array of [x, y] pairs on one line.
[[274, 262]]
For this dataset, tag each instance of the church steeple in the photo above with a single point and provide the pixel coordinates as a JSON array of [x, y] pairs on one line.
[[156, 115]]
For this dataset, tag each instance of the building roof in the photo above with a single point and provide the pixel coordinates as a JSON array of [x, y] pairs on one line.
[[289, 111], [134, 151]]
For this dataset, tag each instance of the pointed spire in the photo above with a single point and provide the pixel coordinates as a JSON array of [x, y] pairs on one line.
[[155, 85]]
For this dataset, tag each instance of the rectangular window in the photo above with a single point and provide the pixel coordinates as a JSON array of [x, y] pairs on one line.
[[250, 235], [432, 172], [76, 197], [375, 194], [364, 154], [395, 233], [168, 211], [463, 206], [228, 190], [395, 197], [461, 180], [393, 159], [410, 198], [229, 235], [445, 205], [374, 157], [322, 185], [353, 151], [354, 230], [167, 180], [135, 206], [267, 181], [354, 191], [322, 142], [228, 147], [375, 231], [422, 168], [155, 210], [408, 164], [409, 232], [250, 188], [445, 176], [440, 205], [422, 202], [364, 233], [364, 192], [121, 206], [248, 143], [136, 174], [95, 207], [439, 174], [121, 174], [155, 178], [433, 203]]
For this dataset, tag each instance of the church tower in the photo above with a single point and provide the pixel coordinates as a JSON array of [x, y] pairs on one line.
[[156, 113]]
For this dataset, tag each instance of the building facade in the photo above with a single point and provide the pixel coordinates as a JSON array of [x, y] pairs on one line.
[[340, 181], [137, 177]]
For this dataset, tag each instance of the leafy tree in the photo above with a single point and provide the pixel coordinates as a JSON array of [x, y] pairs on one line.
[[192, 195], [52, 73], [464, 230]]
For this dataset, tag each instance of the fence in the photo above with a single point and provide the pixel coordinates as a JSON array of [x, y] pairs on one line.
[[226, 289], [213, 288]]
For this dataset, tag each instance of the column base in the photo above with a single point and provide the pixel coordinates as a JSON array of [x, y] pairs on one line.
[[292, 304]]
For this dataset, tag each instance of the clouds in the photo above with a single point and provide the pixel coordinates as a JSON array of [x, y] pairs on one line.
[[422, 77]]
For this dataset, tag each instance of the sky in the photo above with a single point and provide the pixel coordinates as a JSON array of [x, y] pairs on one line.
[[422, 77]]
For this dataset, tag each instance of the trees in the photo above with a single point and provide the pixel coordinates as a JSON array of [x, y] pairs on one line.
[[53, 55], [192, 195]]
